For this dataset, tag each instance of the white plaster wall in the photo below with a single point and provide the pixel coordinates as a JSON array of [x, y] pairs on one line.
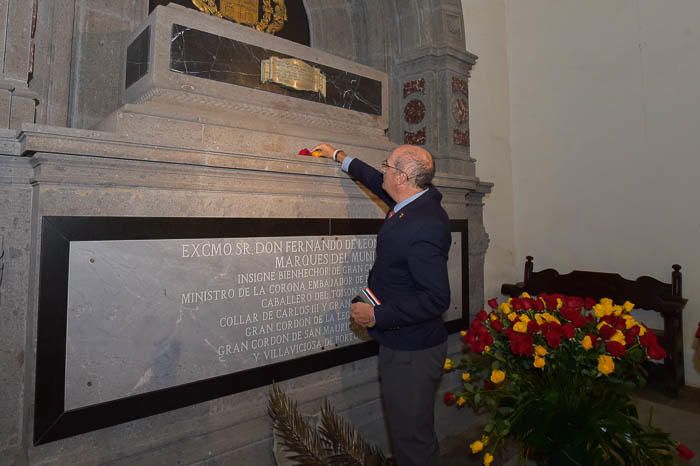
[[604, 137], [489, 126]]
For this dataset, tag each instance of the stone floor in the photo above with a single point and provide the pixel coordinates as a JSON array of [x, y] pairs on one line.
[[678, 416]]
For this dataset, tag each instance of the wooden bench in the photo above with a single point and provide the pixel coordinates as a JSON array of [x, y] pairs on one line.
[[645, 292]]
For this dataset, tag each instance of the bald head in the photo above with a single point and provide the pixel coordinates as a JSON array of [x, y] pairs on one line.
[[417, 163]]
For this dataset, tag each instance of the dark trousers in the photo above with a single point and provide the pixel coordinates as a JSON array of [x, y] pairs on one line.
[[409, 381]]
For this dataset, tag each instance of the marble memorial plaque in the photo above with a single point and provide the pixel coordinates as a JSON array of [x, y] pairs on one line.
[[145, 315]]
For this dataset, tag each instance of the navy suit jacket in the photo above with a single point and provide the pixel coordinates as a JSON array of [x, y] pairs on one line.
[[409, 275]]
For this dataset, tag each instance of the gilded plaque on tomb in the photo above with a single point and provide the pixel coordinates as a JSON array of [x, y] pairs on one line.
[[293, 73], [241, 11], [248, 12]]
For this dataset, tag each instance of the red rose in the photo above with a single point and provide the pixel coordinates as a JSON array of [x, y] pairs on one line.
[[656, 352], [481, 315], [521, 344], [684, 451], [615, 349], [493, 303], [533, 327], [573, 302], [606, 331], [631, 335], [648, 339], [305, 151], [568, 330], [496, 325], [449, 398], [550, 302], [553, 339], [516, 304], [538, 305], [588, 303], [526, 304], [477, 325]]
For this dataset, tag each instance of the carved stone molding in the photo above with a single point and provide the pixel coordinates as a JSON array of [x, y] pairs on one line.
[[478, 240]]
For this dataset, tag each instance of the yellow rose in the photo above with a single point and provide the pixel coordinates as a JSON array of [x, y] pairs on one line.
[[524, 318], [461, 401], [540, 351], [497, 376], [505, 308], [560, 303], [618, 337], [539, 362], [488, 459], [447, 365], [476, 446], [606, 302], [485, 439], [466, 376], [462, 333], [629, 321], [587, 343], [487, 349], [599, 311], [539, 319], [512, 316], [493, 316], [617, 310], [524, 294], [606, 365], [642, 330], [520, 327], [628, 306]]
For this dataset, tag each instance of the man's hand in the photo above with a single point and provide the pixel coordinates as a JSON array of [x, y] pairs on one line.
[[363, 314], [326, 150]]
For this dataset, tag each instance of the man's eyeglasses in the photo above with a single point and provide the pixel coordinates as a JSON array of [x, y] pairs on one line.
[[386, 166]]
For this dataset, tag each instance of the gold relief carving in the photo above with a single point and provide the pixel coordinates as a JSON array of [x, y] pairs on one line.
[[247, 12], [293, 73], [241, 11]]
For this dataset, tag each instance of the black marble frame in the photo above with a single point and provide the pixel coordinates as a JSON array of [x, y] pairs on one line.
[[52, 422]]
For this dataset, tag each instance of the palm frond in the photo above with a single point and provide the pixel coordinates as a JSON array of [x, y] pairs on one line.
[[346, 444], [296, 434]]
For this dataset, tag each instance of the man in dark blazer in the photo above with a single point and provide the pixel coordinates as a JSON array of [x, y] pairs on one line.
[[410, 279]]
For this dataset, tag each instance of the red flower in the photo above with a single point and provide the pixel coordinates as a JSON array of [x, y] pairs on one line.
[[449, 398], [481, 315], [631, 334], [526, 304], [573, 302], [496, 325], [615, 349], [648, 339], [550, 301], [568, 330], [516, 304], [533, 327], [521, 344], [305, 151], [538, 305], [606, 331], [588, 303], [684, 451], [655, 351], [553, 339], [493, 303]]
